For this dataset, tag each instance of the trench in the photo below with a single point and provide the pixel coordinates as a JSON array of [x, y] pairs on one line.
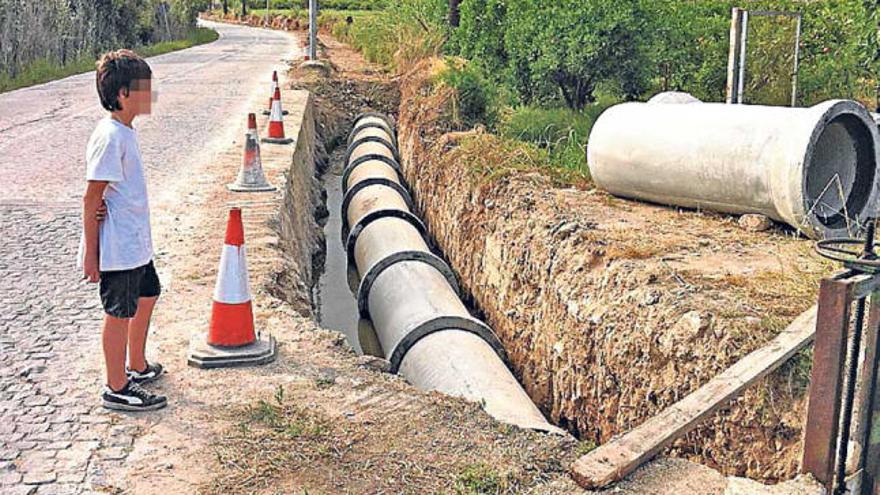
[[334, 304]]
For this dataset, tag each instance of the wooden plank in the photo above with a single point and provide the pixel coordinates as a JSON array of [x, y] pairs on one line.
[[621, 456]]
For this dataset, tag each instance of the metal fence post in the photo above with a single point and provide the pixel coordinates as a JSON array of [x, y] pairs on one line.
[[313, 29]]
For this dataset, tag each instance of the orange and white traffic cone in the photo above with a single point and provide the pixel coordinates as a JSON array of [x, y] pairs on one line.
[[276, 122], [231, 339], [250, 177], [272, 89]]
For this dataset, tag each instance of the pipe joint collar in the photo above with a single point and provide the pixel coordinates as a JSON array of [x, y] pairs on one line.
[[372, 181], [370, 125], [371, 217], [430, 259], [371, 139], [438, 324], [346, 173]]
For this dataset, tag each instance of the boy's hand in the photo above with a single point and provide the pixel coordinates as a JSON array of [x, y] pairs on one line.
[[101, 212], [90, 270]]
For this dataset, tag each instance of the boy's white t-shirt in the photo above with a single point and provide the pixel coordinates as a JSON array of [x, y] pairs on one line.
[[124, 237]]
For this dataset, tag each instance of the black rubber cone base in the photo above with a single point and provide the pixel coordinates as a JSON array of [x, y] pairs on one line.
[[277, 140], [251, 188], [206, 356]]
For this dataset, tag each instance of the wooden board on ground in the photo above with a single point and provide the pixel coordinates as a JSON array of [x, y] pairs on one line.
[[621, 456]]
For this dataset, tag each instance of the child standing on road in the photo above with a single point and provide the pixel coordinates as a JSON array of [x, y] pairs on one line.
[[116, 248]]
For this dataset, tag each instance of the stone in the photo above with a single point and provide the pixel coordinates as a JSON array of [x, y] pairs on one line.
[[753, 222], [691, 326], [38, 478]]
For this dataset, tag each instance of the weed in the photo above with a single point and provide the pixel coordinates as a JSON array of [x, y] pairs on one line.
[[476, 99], [478, 479], [585, 447]]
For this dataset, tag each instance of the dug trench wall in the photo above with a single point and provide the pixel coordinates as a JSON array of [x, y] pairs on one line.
[[300, 235], [611, 310]]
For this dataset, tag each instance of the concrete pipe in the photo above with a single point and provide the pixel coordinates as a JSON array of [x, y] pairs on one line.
[[813, 168], [410, 295], [368, 166]]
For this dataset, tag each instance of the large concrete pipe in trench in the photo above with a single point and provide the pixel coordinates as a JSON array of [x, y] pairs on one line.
[[813, 168], [411, 295]]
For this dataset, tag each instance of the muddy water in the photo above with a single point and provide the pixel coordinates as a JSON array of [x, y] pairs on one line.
[[335, 305]]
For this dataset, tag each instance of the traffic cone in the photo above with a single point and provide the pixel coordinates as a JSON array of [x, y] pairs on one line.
[[272, 89], [250, 177], [276, 122], [231, 339]]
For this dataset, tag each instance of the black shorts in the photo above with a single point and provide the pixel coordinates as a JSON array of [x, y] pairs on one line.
[[120, 290]]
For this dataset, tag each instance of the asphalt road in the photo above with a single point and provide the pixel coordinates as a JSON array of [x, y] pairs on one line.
[[54, 436], [44, 129]]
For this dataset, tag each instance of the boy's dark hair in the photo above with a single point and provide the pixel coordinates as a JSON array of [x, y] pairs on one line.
[[117, 70]]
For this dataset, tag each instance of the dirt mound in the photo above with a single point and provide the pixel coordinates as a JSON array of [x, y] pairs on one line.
[[612, 310]]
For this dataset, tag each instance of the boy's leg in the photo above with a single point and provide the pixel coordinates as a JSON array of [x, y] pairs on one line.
[[138, 327], [114, 338]]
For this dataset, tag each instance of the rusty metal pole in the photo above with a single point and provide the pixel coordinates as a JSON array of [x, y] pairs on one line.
[[820, 438]]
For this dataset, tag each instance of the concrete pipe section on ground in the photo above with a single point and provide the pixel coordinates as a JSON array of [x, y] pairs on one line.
[[813, 168], [411, 295]]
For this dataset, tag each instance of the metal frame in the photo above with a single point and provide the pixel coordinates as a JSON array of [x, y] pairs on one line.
[[844, 407], [739, 35]]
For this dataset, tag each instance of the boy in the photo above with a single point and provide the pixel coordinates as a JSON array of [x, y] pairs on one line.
[[116, 248]]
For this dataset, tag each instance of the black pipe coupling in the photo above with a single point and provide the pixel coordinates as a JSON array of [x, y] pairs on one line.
[[372, 181]]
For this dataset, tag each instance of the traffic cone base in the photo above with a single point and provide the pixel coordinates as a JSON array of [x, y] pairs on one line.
[[231, 339], [205, 356]]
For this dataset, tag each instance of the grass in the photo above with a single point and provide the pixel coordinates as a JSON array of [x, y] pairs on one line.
[[478, 479], [563, 133], [45, 70]]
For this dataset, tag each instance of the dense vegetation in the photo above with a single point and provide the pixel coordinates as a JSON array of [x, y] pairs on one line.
[[529, 59], [45, 35]]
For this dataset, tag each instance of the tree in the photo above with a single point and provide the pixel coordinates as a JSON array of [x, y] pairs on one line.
[[574, 45], [243, 7], [454, 13], [225, 7]]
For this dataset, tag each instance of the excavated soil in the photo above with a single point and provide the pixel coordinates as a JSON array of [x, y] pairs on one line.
[[612, 310]]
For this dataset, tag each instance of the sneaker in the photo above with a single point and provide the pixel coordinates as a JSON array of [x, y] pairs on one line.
[[151, 374], [132, 398]]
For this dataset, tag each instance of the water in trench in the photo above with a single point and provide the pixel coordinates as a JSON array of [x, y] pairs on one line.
[[335, 305]]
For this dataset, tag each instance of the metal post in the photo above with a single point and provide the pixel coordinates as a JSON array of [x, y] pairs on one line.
[[744, 38], [313, 28], [797, 51], [733, 56], [267, 13]]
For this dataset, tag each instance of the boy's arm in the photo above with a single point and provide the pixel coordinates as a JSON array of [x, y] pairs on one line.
[[93, 200]]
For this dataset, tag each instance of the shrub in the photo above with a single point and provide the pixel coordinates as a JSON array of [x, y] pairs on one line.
[[407, 30], [477, 99], [562, 49]]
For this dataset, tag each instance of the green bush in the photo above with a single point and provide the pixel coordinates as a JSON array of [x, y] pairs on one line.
[[569, 48], [560, 50], [477, 100], [839, 49], [406, 29]]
